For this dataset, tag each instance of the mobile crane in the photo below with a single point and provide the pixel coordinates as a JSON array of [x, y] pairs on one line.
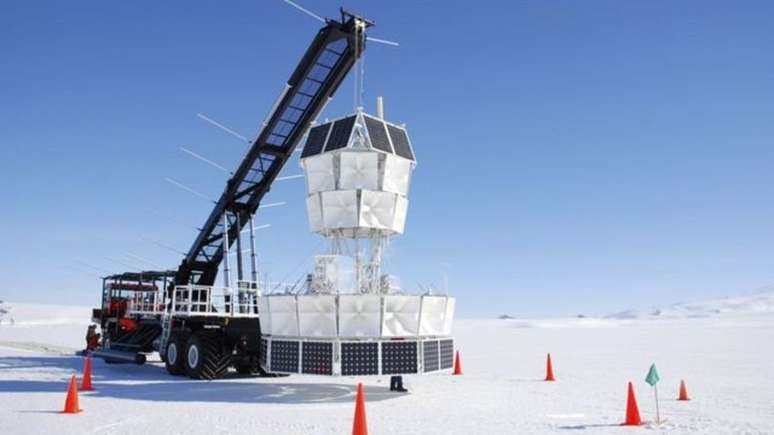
[[201, 330]]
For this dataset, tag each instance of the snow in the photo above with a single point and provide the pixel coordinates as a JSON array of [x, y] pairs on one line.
[[759, 301], [724, 356]]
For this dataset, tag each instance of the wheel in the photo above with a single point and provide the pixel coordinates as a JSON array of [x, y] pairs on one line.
[[174, 358], [205, 357]]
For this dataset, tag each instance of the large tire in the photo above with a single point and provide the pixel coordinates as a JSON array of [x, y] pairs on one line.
[[205, 357], [173, 360]]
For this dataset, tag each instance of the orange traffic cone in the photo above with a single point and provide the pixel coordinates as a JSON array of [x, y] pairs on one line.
[[86, 381], [549, 369], [457, 365], [683, 391], [71, 403], [359, 426], [632, 411]]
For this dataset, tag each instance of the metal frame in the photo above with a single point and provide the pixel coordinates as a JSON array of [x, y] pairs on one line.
[[337, 312], [208, 301], [337, 355], [133, 284], [300, 103]]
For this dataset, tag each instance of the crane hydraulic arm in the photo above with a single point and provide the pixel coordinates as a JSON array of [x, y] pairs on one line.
[[321, 70]]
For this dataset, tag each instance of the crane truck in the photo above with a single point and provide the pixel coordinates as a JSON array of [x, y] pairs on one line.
[[199, 329]]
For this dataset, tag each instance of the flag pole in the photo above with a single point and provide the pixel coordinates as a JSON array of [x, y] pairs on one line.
[[658, 417]]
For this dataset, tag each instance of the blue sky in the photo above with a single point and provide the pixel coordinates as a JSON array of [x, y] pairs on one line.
[[574, 157]]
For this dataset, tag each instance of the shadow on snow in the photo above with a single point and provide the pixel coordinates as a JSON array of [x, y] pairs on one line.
[[152, 383]]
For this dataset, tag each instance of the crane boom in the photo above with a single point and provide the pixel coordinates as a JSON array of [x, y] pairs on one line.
[[321, 70]]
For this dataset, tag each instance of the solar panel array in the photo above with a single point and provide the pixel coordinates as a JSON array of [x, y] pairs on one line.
[[399, 357], [447, 354], [430, 355], [384, 137], [317, 358], [284, 356], [378, 134], [340, 133], [400, 142], [359, 359], [315, 141]]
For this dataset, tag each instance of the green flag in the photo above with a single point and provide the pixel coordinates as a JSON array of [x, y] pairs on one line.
[[652, 377]]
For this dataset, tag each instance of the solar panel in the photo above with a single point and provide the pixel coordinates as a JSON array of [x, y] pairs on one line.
[[430, 355], [378, 134], [399, 357], [284, 356], [316, 140], [359, 359], [401, 142], [447, 354], [317, 358], [340, 133]]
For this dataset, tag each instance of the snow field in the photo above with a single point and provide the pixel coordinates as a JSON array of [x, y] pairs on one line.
[[724, 359]]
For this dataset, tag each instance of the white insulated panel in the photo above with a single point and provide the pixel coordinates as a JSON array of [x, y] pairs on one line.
[[339, 209], [319, 173], [284, 319], [377, 209], [359, 315], [314, 212], [358, 170], [448, 320], [401, 316], [399, 220], [397, 174], [431, 321], [317, 315]]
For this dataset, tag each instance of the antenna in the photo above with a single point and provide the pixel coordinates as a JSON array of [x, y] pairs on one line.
[[256, 228], [169, 248], [205, 160], [321, 19], [123, 263], [143, 260], [73, 269], [98, 269], [289, 177], [304, 10], [175, 220], [188, 189], [221, 126], [273, 204], [382, 41], [445, 277]]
